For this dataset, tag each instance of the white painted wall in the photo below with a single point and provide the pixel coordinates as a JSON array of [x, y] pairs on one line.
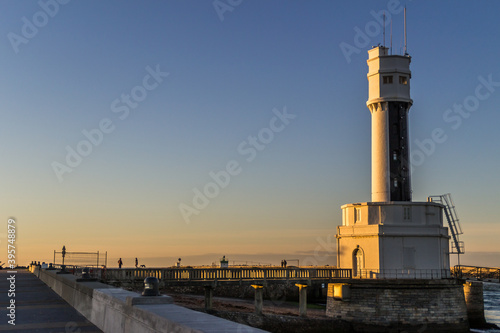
[[384, 236]]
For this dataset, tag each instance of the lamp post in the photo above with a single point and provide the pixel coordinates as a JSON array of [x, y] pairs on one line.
[[63, 255]]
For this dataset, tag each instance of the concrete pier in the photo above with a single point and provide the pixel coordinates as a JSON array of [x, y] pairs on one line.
[[117, 310], [37, 307]]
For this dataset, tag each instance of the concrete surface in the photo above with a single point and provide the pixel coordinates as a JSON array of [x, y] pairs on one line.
[[117, 310], [37, 307]]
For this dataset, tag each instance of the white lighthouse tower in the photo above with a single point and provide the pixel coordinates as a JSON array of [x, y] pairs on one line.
[[389, 103], [392, 236]]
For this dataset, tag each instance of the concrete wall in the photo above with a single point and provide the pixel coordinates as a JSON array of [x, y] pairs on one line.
[[474, 299], [420, 213], [400, 305], [426, 253], [367, 241], [117, 310]]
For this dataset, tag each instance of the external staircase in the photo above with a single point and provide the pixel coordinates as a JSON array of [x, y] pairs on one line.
[[457, 246]]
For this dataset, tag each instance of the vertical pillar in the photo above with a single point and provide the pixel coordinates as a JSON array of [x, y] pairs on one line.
[[380, 154], [302, 299], [473, 292], [208, 297], [259, 301]]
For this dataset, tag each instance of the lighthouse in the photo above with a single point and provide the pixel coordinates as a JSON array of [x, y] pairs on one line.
[[398, 249], [392, 236]]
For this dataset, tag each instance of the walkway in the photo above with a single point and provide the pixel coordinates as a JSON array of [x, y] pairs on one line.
[[37, 307]]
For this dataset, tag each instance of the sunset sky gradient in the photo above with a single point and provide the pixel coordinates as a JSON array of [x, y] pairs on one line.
[[204, 83]]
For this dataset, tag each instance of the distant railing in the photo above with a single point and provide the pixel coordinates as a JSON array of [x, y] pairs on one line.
[[402, 274], [476, 272], [78, 269], [242, 274], [80, 259], [225, 274]]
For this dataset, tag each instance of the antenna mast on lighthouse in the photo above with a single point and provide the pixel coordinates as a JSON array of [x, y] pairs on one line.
[[384, 30], [391, 36], [405, 30]]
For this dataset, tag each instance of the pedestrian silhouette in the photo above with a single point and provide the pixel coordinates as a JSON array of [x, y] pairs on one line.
[[120, 263], [136, 262]]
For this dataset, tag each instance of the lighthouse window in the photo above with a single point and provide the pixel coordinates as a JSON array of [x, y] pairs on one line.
[[403, 80], [357, 214], [387, 79]]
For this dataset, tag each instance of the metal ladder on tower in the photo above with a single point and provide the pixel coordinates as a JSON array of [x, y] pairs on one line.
[[457, 246]]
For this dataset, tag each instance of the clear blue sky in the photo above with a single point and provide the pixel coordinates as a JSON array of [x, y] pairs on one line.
[[68, 69]]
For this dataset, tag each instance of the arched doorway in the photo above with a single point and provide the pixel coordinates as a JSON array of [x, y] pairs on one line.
[[357, 262]]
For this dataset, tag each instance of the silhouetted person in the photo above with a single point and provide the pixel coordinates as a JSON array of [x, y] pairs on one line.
[[136, 262], [284, 263], [120, 263]]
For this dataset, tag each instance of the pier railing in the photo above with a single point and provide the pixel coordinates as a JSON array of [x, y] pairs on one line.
[[234, 274], [477, 272]]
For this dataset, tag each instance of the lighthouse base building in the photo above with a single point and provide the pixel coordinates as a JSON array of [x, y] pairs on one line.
[[399, 256], [394, 240]]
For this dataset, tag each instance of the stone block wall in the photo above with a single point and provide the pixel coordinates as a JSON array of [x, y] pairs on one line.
[[396, 305]]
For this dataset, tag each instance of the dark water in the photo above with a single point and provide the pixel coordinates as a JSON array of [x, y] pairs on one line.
[[491, 305]]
